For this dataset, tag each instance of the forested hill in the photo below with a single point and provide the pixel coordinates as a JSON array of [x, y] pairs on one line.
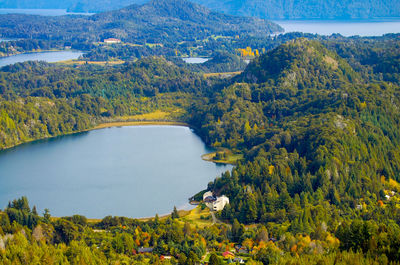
[[41, 100], [297, 64], [313, 129], [159, 21], [318, 131]]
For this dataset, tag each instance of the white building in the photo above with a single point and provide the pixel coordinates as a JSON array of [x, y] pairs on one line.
[[112, 41], [220, 203], [207, 194]]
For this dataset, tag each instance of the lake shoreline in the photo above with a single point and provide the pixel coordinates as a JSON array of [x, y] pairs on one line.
[[49, 56], [105, 125], [138, 123], [181, 212], [155, 132], [3, 55]]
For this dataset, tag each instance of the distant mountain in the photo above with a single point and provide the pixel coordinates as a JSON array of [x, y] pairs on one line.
[[307, 9], [70, 5], [159, 21], [269, 9]]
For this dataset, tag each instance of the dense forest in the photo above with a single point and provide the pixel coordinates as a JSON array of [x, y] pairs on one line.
[[40, 100], [159, 21], [316, 120]]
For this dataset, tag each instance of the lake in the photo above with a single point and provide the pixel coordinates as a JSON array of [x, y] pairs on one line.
[[195, 60], [5, 40], [345, 28], [41, 12], [134, 171], [50, 57]]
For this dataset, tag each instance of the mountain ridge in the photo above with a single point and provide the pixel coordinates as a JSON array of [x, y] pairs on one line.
[[158, 21], [271, 9]]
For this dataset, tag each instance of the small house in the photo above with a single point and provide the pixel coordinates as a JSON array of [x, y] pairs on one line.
[[243, 250], [209, 199], [220, 203], [112, 41], [238, 260], [228, 255]]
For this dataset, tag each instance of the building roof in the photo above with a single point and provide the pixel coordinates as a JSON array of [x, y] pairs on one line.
[[207, 194], [145, 250], [112, 40], [209, 199], [227, 254]]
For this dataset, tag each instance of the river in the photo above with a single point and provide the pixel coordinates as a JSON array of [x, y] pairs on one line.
[[134, 171]]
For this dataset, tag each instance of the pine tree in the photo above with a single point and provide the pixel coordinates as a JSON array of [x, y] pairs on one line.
[[46, 215], [34, 211], [175, 213]]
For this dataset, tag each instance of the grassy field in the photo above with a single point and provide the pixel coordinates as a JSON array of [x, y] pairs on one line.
[[78, 62], [222, 75], [197, 217], [137, 123], [156, 115], [152, 45], [229, 158], [172, 114]]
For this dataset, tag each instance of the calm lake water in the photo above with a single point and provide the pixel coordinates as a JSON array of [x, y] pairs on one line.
[[50, 57], [132, 171], [41, 12], [195, 60], [345, 28]]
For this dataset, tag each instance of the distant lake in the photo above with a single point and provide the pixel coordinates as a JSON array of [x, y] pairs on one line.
[[50, 57], [345, 28], [41, 12], [135, 171], [195, 60], [3, 40]]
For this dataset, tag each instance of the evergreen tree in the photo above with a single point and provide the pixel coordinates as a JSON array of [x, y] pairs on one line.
[[174, 213]]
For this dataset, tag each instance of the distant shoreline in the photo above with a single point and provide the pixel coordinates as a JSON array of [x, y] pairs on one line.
[[138, 123], [182, 213], [337, 20], [103, 126]]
